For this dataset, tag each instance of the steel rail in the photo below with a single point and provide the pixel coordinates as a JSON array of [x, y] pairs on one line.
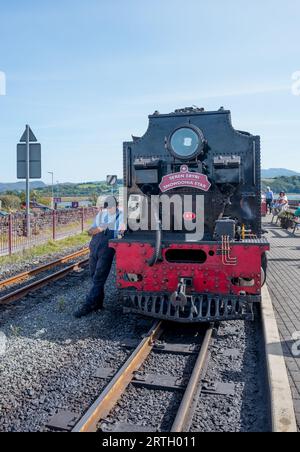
[[112, 393], [184, 412], [35, 271], [20, 293]]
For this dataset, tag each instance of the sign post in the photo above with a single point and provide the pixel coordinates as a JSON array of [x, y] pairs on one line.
[[28, 232], [28, 166]]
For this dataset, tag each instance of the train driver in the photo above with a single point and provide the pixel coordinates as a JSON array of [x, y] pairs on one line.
[[108, 224]]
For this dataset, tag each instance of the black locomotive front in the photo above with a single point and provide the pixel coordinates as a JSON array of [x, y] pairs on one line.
[[169, 272]]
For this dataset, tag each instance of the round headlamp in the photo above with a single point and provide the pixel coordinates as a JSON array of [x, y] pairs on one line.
[[185, 143]]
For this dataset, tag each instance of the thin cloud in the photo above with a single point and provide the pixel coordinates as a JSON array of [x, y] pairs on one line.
[[41, 78], [192, 97]]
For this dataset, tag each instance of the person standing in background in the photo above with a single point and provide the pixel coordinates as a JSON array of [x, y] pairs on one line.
[[269, 199]]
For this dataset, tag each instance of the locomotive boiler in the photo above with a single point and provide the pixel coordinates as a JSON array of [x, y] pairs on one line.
[[194, 249]]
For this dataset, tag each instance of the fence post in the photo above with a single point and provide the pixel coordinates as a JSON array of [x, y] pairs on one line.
[[82, 219], [54, 224], [10, 234]]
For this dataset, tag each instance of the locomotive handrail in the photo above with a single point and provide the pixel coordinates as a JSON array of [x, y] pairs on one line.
[[157, 251]]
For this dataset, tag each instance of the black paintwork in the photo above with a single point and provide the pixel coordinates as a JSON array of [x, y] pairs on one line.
[[230, 159]]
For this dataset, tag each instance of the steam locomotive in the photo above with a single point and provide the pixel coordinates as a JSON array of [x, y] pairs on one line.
[[194, 250]]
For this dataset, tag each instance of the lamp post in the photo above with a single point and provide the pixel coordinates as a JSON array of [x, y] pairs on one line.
[[52, 202]]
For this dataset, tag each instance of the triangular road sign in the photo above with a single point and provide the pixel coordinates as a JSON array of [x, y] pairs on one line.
[[32, 138]]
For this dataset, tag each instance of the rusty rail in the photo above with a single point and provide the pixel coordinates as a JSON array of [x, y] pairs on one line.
[[35, 271], [184, 413], [116, 388], [21, 292], [112, 393]]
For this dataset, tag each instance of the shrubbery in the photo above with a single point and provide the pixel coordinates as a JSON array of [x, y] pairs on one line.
[[10, 202]]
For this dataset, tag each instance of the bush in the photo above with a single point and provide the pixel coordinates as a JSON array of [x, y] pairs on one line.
[[10, 202]]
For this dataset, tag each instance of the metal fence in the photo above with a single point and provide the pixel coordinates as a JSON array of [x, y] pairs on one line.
[[45, 226], [294, 204]]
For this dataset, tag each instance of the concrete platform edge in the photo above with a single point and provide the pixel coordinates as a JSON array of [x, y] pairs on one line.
[[282, 408]]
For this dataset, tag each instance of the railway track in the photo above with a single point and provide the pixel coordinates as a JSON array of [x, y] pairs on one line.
[[117, 387], [15, 295]]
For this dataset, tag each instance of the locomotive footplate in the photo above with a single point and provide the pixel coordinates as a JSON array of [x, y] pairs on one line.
[[198, 308]]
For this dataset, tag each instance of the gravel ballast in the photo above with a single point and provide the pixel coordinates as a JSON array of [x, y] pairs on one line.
[[51, 359], [12, 269], [236, 358]]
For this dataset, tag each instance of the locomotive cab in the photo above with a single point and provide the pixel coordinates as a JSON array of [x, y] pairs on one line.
[[194, 250]]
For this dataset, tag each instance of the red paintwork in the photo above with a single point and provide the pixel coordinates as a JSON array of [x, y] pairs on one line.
[[189, 216], [264, 209], [211, 277]]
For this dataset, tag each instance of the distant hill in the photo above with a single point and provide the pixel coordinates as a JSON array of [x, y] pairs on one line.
[[271, 173], [20, 186], [287, 184], [86, 189], [66, 189]]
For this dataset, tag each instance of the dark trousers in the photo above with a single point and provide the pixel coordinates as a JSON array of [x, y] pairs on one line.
[[101, 259], [269, 204]]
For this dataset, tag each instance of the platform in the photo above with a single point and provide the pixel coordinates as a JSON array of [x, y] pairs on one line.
[[284, 287]]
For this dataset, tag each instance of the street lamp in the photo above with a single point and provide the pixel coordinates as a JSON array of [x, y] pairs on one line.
[[52, 174]]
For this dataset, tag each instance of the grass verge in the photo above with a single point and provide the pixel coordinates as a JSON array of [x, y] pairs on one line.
[[46, 249]]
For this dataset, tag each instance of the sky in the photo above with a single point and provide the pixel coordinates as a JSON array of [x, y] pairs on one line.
[[86, 75]]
